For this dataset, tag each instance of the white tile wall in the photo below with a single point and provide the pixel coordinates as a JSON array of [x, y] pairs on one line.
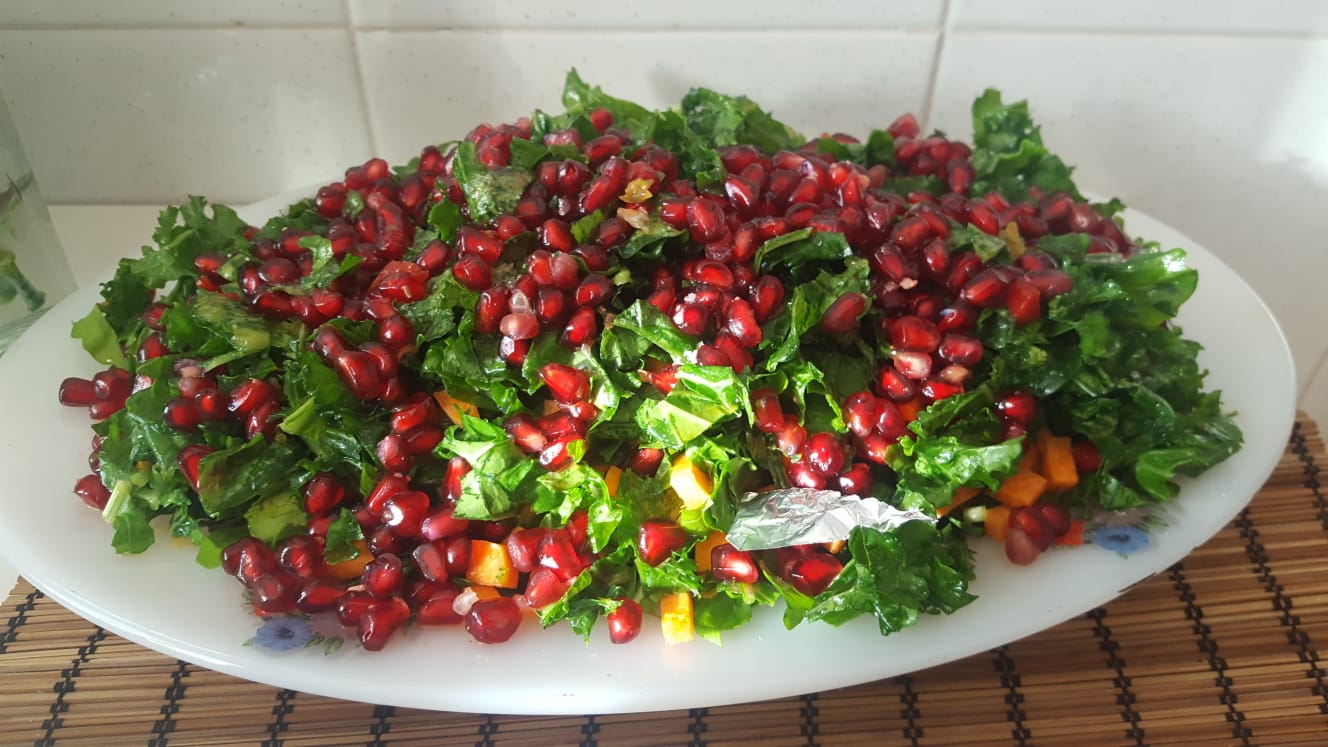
[[1218, 137], [150, 116], [1242, 17], [496, 77], [647, 16], [1209, 115], [159, 13]]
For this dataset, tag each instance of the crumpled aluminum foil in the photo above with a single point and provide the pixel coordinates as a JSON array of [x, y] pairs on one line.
[[802, 516]]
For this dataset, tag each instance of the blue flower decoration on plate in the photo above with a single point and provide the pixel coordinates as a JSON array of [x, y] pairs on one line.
[[283, 633], [1119, 539]]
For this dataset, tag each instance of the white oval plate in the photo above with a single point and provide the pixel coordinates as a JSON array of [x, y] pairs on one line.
[[163, 600]]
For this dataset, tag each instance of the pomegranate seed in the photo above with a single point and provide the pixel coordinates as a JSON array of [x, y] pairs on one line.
[[90, 489], [471, 272], [1053, 516], [824, 454], [322, 494], [1030, 521], [382, 541], [728, 563], [76, 392], [802, 476], [543, 588], [393, 455], [302, 556], [624, 622], [182, 414], [767, 297], [438, 608], [380, 620], [493, 620], [934, 389], [912, 365], [519, 326], [792, 437], [960, 349], [360, 372], [566, 384], [646, 462], [441, 523], [274, 593], [985, 290], [405, 512], [317, 595], [188, 460], [740, 322], [1024, 301], [558, 553], [1087, 458], [705, 220], [906, 126], [957, 318], [1050, 282], [387, 487], [113, 384], [351, 608], [1018, 406], [431, 560], [658, 540], [860, 413], [690, 318], [856, 480], [522, 546], [247, 559], [598, 195], [1020, 548], [581, 328], [525, 433], [914, 334], [383, 576], [769, 416], [813, 573], [842, 315]]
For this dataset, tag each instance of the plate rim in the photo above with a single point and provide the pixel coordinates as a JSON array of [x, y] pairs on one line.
[[66, 594]]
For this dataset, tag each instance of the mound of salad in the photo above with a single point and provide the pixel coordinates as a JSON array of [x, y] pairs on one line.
[[620, 363]]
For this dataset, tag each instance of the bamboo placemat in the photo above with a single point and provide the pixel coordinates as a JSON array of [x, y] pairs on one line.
[[1220, 649]]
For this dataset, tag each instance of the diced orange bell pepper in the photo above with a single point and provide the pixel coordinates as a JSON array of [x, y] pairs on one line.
[[490, 565], [997, 522], [676, 618], [354, 567], [1021, 489], [1057, 461], [703, 549], [964, 494], [1073, 536], [910, 408], [453, 407]]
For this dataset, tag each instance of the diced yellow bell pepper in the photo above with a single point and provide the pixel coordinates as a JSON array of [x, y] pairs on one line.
[[490, 565], [676, 618], [691, 483], [612, 479]]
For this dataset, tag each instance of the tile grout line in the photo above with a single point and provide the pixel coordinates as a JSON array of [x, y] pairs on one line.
[[352, 34], [947, 20]]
